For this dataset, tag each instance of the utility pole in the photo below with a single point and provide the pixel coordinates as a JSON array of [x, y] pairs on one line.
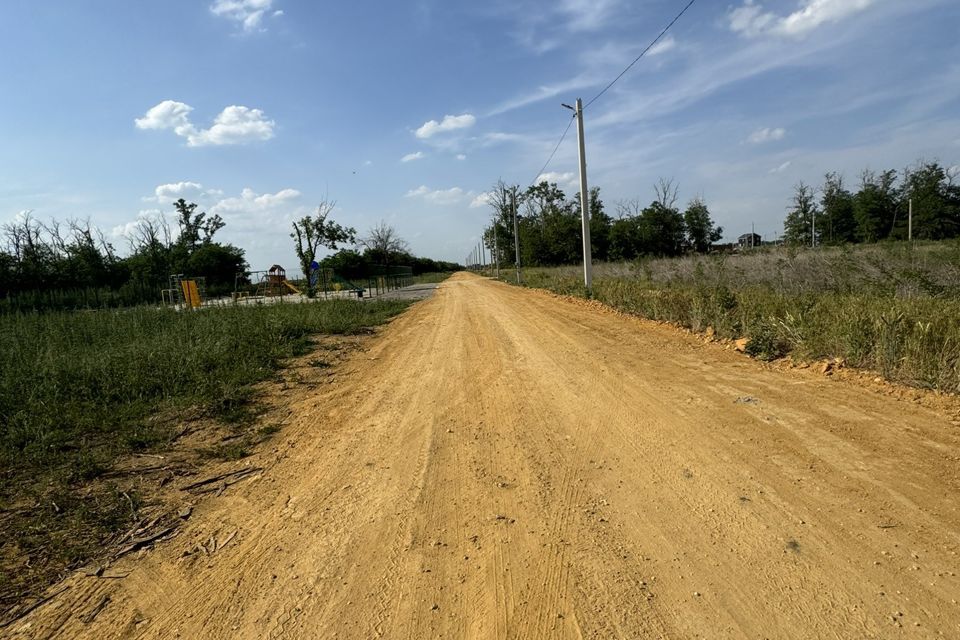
[[584, 199], [516, 232], [496, 249], [910, 222], [813, 229]]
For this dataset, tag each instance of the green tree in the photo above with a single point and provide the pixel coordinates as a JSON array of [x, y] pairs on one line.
[[626, 241], [936, 203], [220, 264], [550, 231], [701, 231], [798, 227], [662, 231], [599, 225], [875, 205], [498, 198], [312, 232], [383, 244], [195, 228], [837, 204]]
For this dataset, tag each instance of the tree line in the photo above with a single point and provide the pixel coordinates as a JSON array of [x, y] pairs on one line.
[[374, 253], [550, 229], [879, 209], [72, 265], [550, 232]]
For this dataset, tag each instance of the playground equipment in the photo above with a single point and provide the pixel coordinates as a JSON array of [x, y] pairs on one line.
[[324, 281], [273, 282], [184, 292]]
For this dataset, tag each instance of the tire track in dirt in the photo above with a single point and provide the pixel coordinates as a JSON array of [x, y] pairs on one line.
[[500, 463]]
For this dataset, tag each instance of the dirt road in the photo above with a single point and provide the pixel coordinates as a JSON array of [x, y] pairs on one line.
[[501, 463]]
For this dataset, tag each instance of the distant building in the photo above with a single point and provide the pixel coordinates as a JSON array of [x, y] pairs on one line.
[[749, 241]]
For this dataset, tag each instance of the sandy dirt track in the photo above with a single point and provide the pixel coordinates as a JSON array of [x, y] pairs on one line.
[[501, 463]]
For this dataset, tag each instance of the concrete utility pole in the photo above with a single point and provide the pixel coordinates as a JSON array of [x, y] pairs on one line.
[[584, 199], [910, 221], [516, 232], [496, 249], [813, 229]]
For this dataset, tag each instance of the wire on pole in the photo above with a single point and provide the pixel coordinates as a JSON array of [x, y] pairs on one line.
[[554, 152], [642, 53]]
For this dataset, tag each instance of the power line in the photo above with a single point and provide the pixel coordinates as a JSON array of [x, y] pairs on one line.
[[553, 153], [642, 53], [613, 82]]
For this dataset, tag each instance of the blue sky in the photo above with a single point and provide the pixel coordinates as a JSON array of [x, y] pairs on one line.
[[409, 111]]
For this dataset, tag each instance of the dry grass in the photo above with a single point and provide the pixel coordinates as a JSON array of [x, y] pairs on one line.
[[892, 308]]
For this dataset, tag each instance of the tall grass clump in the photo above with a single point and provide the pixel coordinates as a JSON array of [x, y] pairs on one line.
[[892, 308]]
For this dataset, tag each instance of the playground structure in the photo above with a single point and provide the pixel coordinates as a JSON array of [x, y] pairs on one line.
[[273, 282], [185, 292], [326, 283]]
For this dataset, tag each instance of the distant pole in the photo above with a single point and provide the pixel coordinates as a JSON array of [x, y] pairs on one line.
[[910, 222], [516, 232], [584, 201], [813, 229], [496, 249]]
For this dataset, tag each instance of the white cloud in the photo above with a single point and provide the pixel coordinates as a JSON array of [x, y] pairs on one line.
[[169, 114], [496, 137], [566, 178], [783, 167], [481, 200], [246, 13], [665, 44], [410, 157], [251, 202], [449, 123], [761, 136], [587, 15], [461, 156], [167, 193], [437, 196], [544, 92], [234, 125], [750, 19], [125, 230], [954, 171]]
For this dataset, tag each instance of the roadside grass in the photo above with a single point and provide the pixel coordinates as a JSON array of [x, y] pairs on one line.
[[80, 390], [428, 278], [890, 308]]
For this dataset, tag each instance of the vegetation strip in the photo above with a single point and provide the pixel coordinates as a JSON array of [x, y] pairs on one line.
[[892, 308], [79, 391]]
